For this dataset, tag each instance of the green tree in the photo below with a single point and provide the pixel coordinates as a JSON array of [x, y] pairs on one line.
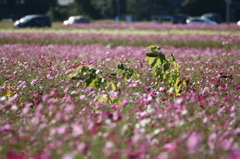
[[85, 7], [199, 7], [38, 6], [105, 8], [59, 13], [144, 9], [108, 9]]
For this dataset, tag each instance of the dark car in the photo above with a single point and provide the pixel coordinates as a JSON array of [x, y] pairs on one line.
[[180, 18], [213, 16], [36, 20]]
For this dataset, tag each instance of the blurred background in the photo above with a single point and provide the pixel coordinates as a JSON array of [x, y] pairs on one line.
[[120, 10]]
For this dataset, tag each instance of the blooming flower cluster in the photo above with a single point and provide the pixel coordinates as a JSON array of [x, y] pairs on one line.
[[155, 26], [177, 40], [48, 116]]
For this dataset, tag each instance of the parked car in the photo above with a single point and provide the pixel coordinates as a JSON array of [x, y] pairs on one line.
[[238, 23], [200, 20], [76, 19], [36, 20], [213, 16], [174, 19], [180, 18]]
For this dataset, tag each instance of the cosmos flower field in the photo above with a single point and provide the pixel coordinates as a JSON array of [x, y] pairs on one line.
[[47, 115]]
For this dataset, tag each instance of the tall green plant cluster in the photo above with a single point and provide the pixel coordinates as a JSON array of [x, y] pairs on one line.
[[165, 71]]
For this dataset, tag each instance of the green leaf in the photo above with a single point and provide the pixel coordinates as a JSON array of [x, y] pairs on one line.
[[113, 86], [156, 62], [154, 47], [78, 73], [150, 59], [172, 59], [121, 66], [166, 65], [162, 57]]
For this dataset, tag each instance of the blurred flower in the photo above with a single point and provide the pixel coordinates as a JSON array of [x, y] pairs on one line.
[[169, 146], [237, 88], [3, 98], [227, 144], [162, 155], [6, 127], [76, 130], [61, 129], [162, 89], [36, 101], [113, 94], [15, 155], [193, 141], [171, 89], [234, 154], [153, 94], [83, 147], [124, 102], [146, 87], [68, 156], [211, 141]]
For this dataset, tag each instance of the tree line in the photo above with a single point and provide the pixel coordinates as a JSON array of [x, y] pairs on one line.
[[141, 9]]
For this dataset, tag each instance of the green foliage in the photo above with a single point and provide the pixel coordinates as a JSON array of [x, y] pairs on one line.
[[143, 9], [157, 61], [38, 6], [191, 7], [58, 13], [126, 71], [94, 77], [164, 69], [84, 7], [90, 76]]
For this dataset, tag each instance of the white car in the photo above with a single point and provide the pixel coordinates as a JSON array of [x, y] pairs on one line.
[[238, 23], [76, 19], [200, 20]]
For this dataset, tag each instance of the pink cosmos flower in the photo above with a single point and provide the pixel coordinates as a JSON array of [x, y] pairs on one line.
[[68, 156], [108, 147], [169, 146], [124, 102], [77, 130], [6, 127], [211, 141], [237, 88], [62, 129], [162, 155], [162, 89], [193, 141], [148, 101], [170, 93], [15, 155], [36, 101], [83, 147], [153, 94], [227, 144], [146, 87], [234, 154]]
